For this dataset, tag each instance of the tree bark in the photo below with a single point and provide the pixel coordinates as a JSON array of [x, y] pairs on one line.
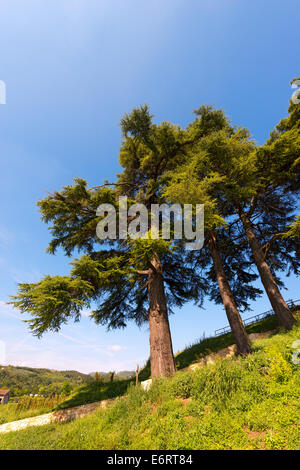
[[280, 307], [161, 350], [238, 330]]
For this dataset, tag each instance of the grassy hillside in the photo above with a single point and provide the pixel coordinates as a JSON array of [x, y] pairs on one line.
[[25, 380], [95, 391], [239, 403], [91, 392], [28, 407], [86, 390], [205, 346]]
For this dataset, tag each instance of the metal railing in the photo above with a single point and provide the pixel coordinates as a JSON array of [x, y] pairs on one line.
[[255, 318]]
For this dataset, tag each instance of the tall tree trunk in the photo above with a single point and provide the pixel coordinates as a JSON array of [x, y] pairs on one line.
[[285, 317], [161, 350], [238, 330]]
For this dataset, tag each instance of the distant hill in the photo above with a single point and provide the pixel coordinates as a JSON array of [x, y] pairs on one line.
[[25, 380]]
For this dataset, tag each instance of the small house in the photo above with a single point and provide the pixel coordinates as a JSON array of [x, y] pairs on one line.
[[4, 397]]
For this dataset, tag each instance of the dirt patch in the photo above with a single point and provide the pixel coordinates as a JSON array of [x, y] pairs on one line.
[[265, 334], [153, 408], [189, 420], [258, 437], [256, 434], [184, 401]]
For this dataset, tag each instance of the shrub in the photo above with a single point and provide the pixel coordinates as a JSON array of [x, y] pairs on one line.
[[279, 368], [181, 384]]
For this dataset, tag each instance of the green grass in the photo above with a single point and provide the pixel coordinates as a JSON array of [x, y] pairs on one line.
[[27, 407], [238, 403], [206, 346], [95, 391]]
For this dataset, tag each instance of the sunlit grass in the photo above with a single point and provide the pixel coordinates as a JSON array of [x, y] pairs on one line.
[[238, 403], [27, 407]]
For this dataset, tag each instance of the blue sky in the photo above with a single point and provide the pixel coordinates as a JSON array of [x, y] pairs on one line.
[[72, 68]]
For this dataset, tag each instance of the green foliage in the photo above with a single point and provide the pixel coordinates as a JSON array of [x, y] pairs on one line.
[[233, 176], [181, 385], [52, 301], [279, 367], [294, 229], [72, 212], [184, 187], [66, 389]]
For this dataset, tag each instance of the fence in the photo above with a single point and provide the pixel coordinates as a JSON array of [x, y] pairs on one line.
[[255, 318]]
